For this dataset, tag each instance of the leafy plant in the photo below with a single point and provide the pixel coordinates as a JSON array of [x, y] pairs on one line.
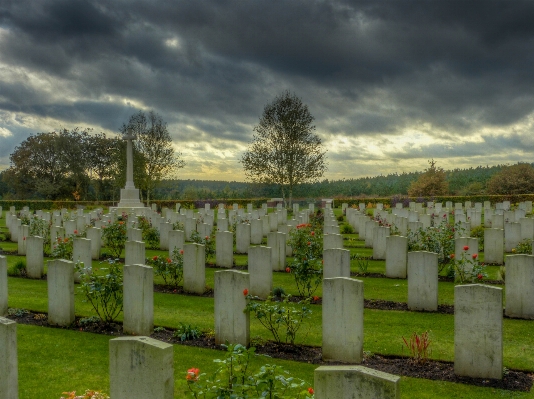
[[62, 248], [114, 237], [150, 234], [187, 332], [467, 269], [418, 346], [279, 292], [280, 318], [478, 232], [41, 228], [307, 263], [347, 229], [438, 239], [524, 247], [207, 241], [18, 269], [170, 269], [235, 379], [362, 262], [103, 291]]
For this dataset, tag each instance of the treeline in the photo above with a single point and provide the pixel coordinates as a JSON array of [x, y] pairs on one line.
[[472, 181]]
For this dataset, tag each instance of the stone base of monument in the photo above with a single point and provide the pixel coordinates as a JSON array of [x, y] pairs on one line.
[[130, 202]]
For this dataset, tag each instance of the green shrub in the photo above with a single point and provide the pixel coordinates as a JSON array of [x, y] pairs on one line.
[[478, 232], [114, 236], [103, 291], [347, 229], [18, 269], [170, 269], [187, 332]]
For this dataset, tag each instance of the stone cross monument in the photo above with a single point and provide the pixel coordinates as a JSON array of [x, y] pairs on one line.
[[129, 194]]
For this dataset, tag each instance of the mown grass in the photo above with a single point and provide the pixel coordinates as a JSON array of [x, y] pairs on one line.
[[52, 361]]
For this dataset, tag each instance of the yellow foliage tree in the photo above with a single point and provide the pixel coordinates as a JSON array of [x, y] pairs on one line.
[[431, 183], [515, 179]]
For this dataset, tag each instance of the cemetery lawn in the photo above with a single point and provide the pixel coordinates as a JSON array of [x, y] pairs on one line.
[[53, 360]]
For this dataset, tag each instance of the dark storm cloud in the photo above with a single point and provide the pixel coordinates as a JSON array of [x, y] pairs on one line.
[[363, 67]]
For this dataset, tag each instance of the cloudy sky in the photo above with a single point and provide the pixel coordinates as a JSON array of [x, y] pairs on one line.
[[391, 84]]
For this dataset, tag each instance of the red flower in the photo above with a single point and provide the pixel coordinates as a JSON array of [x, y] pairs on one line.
[[480, 276], [288, 270], [181, 251], [75, 231], [452, 256], [311, 391], [474, 256], [245, 292], [466, 248], [309, 243], [207, 237], [169, 260], [312, 233], [155, 258], [316, 298], [23, 238], [192, 374]]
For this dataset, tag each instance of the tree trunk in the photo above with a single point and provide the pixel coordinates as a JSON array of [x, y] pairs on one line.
[[283, 195], [290, 197]]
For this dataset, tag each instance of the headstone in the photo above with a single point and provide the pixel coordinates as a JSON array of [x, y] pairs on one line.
[[222, 225], [81, 252], [422, 281], [512, 236], [135, 234], [256, 231], [494, 246], [176, 240], [527, 228], [34, 257], [273, 221], [190, 226], [194, 268], [9, 377], [134, 253], [224, 249], [478, 331], [342, 320], [520, 286], [138, 299], [231, 323], [370, 227], [60, 277], [24, 232], [332, 241], [242, 238], [94, 235], [379, 242], [164, 229], [277, 242], [355, 382], [141, 367], [336, 263], [70, 227], [260, 269], [396, 256]]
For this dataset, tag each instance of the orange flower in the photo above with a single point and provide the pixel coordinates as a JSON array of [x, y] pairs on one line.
[[316, 298], [169, 260], [66, 240], [155, 258], [192, 374], [452, 256], [288, 270], [245, 292], [311, 391]]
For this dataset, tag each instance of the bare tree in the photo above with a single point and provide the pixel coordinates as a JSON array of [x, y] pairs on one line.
[[284, 149]]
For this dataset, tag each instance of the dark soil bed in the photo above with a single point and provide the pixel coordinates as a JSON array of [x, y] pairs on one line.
[[431, 369]]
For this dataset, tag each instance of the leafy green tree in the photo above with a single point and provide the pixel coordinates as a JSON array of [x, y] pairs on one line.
[[515, 179], [50, 165], [284, 150], [154, 144], [432, 182]]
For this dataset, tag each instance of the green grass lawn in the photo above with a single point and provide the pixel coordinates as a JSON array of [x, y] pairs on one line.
[[53, 360]]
